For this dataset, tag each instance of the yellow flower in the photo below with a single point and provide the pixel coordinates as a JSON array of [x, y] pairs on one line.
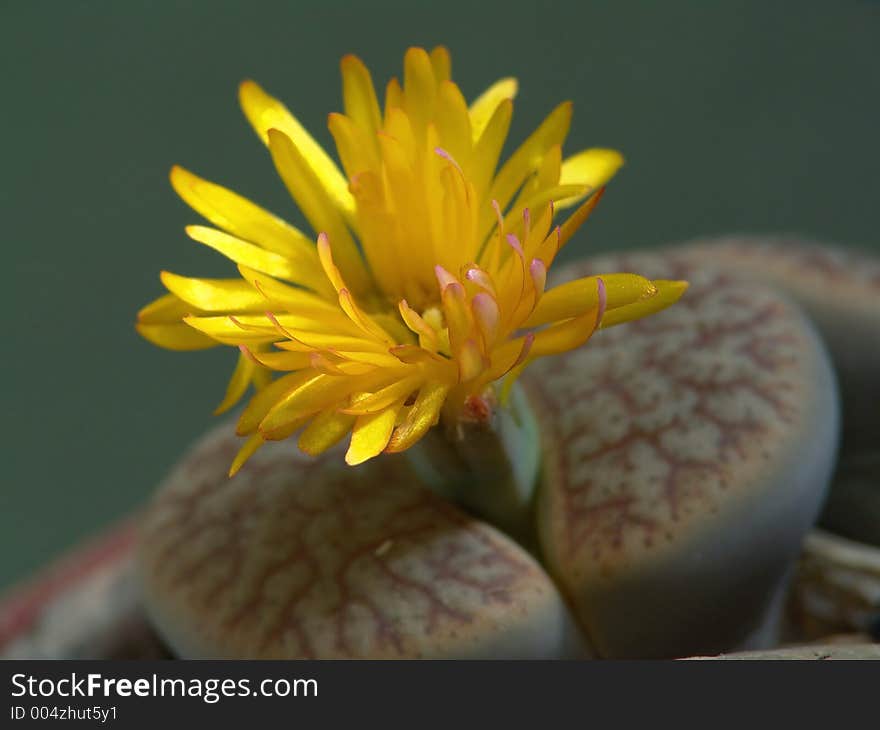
[[427, 283]]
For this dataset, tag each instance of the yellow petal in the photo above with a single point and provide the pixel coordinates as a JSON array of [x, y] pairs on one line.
[[427, 334], [317, 207], [246, 452], [315, 394], [263, 400], [362, 319], [441, 63], [541, 197], [358, 150], [419, 89], [370, 435], [573, 332], [215, 295], [415, 355], [487, 150], [471, 361], [265, 113], [279, 361], [381, 399], [453, 123], [242, 218], [528, 158], [238, 383], [393, 97], [247, 254], [576, 297], [230, 331], [292, 298], [593, 168], [308, 341], [167, 309], [359, 98], [175, 336], [325, 430], [331, 271], [564, 336], [484, 106], [668, 292], [423, 414], [573, 222]]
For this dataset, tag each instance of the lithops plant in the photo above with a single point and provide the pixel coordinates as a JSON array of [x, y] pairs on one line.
[[306, 558], [684, 460], [840, 290], [404, 328]]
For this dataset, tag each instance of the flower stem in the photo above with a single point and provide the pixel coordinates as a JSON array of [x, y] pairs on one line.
[[488, 465]]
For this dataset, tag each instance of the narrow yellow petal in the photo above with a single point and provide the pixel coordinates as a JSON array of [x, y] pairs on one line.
[[331, 271], [415, 355], [265, 112], [528, 157], [593, 168], [564, 336], [238, 383], [290, 297], [393, 97], [419, 89], [279, 361], [317, 207], [457, 314], [668, 292], [541, 197], [242, 218], [359, 98], [215, 295], [358, 150], [370, 435], [421, 416], [175, 336], [264, 400], [308, 341], [229, 331], [381, 399], [453, 124], [427, 334], [166, 309], [246, 452], [484, 106], [576, 220], [576, 297], [325, 430], [487, 150], [569, 334], [441, 63], [247, 254], [361, 318], [315, 394]]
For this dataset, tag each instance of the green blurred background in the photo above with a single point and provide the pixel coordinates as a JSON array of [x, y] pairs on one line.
[[734, 116]]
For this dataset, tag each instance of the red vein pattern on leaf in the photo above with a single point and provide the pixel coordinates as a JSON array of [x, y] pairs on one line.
[[308, 558], [645, 425]]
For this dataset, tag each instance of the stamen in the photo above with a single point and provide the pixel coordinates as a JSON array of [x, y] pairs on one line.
[[444, 278], [514, 243], [481, 279], [539, 276], [449, 158], [603, 300]]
